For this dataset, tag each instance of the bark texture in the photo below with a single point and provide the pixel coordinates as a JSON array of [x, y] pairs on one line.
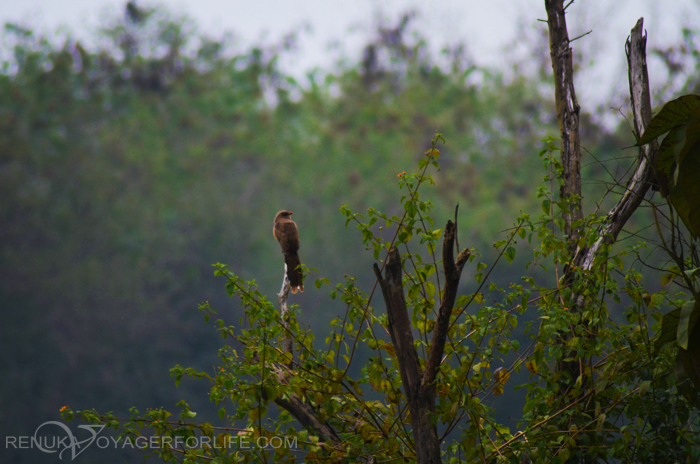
[[419, 385], [643, 176], [584, 256], [568, 116]]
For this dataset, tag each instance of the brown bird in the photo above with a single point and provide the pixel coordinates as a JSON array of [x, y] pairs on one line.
[[286, 232]]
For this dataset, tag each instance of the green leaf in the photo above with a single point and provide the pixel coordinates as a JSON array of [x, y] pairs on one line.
[[688, 374], [601, 422], [678, 159], [685, 192], [618, 262], [509, 254], [546, 205], [669, 328], [692, 273], [430, 288], [644, 387], [405, 235], [673, 113], [255, 414], [667, 278], [687, 319], [413, 291], [230, 288], [687, 367], [669, 151]]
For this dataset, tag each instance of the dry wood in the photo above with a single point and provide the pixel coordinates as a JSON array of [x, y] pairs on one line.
[[640, 181], [568, 117], [419, 386], [288, 344], [453, 272]]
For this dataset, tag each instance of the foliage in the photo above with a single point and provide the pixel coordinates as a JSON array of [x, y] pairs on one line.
[[126, 170], [677, 171], [125, 175], [621, 406], [679, 156]]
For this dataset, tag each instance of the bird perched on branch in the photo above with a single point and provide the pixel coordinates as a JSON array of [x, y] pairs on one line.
[[286, 232]]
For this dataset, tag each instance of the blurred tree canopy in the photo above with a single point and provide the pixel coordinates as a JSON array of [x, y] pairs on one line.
[[127, 170]]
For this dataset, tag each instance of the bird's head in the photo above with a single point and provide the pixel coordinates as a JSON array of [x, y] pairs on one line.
[[283, 215]]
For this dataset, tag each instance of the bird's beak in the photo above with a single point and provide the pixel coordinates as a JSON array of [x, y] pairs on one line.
[[291, 212]]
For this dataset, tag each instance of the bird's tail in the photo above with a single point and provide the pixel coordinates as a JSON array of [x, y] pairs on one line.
[[295, 275]]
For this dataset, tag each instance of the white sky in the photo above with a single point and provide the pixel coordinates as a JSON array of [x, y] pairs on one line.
[[486, 26]]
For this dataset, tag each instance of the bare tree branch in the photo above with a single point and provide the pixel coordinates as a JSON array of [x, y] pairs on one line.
[[640, 181], [288, 344], [453, 272], [306, 416], [400, 328], [419, 386], [422, 410]]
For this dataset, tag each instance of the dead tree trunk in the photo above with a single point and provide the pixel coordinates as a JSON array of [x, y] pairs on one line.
[[567, 114], [583, 256], [568, 117], [419, 385], [640, 181]]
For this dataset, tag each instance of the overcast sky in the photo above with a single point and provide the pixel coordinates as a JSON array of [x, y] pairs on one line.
[[487, 27]]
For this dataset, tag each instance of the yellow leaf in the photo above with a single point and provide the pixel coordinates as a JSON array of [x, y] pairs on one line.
[[497, 390], [389, 348], [531, 366], [478, 366], [501, 376], [286, 358], [601, 421]]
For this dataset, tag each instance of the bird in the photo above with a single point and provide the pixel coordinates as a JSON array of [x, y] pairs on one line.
[[286, 232]]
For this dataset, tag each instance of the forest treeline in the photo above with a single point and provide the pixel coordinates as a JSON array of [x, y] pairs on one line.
[[127, 170]]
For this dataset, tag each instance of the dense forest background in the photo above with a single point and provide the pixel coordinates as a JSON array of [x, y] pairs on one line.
[[128, 168]]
